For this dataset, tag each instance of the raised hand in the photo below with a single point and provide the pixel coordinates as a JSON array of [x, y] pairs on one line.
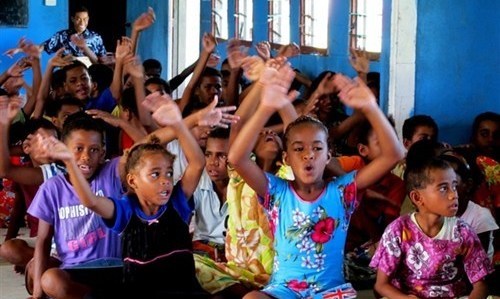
[[79, 41], [145, 20], [134, 67], [58, 60], [359, 60], [17, 69], [235, 53], [311, 108], [263, 50], [123, 48], [9, 108], [253, 66], [209, 42], [213, 60], [275, 91], [327, 85], [105, 116], [289, 50], [165, 111], [354, 93], [47, 148], [218, 117]]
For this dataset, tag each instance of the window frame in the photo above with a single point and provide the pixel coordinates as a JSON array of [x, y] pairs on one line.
[[237, 24], [270, 30], [306, 49], [353, 34], [213, 25]]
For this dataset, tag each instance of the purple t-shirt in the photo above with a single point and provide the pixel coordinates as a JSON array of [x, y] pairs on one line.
[[79, 234]]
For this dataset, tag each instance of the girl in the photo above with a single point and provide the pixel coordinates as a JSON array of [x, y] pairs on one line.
[[309, 216], [153, 218], [428, 253]]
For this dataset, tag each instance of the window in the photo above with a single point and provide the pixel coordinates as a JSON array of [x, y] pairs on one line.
[[279, 22], [366, 26], [219, 19], [314, 26], [244, 19]]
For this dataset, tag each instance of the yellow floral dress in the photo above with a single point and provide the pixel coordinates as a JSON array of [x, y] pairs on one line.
[[249, 241]]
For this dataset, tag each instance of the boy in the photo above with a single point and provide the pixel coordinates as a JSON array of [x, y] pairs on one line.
[[415, 128], [81, 239]]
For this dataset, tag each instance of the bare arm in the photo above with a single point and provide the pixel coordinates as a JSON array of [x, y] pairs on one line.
[[123, 53], [274, 97], [135, 133], [384, 287], [358, 96], [41, 255], [209, 44], [82, 45], [144, 21]]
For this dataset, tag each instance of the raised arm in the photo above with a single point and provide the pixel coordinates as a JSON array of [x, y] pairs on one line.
[[167, 113], [51, 147], [123, 53], [144, 21], [355, 94], [135, 133], [209, 43], [274, 97], [360, 62]]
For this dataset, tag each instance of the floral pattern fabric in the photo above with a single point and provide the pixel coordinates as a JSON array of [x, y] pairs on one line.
[[62, 39], [309, 237], [428, 267]]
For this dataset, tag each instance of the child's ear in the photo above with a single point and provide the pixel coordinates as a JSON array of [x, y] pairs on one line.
[[284, 157], [130, 179], [362, 150], [329, 156], [406, 143], [416, 198]]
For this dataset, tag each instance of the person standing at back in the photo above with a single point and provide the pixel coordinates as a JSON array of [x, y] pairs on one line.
[[78, 41]]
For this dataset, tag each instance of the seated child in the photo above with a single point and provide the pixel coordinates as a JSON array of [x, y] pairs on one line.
[[431, 253], [89, 253], [309, 216], [153, 217]]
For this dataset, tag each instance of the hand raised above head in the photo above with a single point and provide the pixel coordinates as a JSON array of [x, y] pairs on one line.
[[354, 93], [165, 110], [217, 116], [359, 60], [236, 53], [275, 91], [263, 50], [209, 42], [145, 20], [9, 108]]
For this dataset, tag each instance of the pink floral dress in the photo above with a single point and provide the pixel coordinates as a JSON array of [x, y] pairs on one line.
[[309, 239], [431, 267]]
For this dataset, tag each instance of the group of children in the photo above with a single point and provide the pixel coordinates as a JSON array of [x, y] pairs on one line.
[[136, 195]]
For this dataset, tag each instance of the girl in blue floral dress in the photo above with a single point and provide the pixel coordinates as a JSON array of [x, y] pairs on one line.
[[309, 216]]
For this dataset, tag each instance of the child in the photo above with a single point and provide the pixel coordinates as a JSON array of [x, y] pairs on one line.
[[429, 253], [309, 216], [89, 252], [153, 217]]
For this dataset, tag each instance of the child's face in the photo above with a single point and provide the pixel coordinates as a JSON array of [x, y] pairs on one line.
[[421, 132], [66, 110], [78, 83], [210, 86], [216, 158], [440, 196], [152, 179], [307, 153], [268, 145], [88, 149], [487, 138], [371, 150]]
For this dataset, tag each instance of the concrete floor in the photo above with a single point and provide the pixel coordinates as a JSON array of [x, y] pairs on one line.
[[12, 284]]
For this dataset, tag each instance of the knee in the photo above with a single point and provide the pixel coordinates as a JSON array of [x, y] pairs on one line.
[[12, 250], [55, 282]]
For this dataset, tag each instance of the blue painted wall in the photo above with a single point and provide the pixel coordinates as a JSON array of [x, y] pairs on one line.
[[337, 58], [43, 22], [153, 42], [457, 63]]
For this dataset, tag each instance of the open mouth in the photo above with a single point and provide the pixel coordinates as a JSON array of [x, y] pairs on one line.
[[85, 169]]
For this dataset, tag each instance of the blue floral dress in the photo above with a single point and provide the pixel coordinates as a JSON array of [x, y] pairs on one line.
[[309, 239]]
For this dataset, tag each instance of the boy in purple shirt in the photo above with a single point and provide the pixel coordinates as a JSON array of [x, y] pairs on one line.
[[89, 252]]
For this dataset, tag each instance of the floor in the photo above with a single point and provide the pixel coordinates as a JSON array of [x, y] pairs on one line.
[[12, 284]]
